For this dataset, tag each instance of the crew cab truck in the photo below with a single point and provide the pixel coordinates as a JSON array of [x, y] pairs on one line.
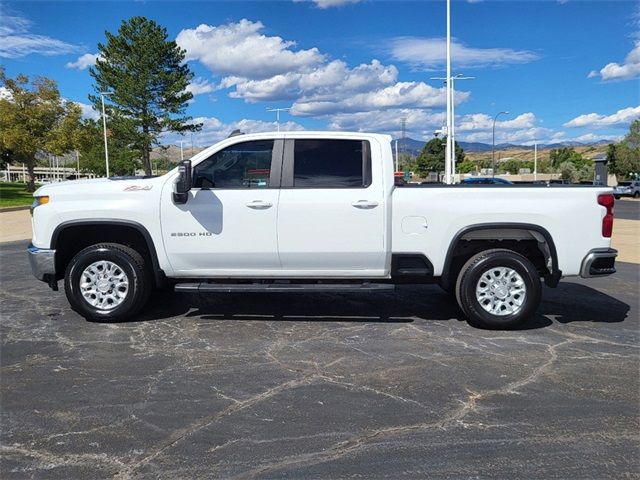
[[313, 211]]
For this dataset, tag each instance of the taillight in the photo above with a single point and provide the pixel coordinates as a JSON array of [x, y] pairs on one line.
[[607, 201]]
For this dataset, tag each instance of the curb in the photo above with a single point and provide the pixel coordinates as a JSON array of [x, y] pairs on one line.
[[15, 209]]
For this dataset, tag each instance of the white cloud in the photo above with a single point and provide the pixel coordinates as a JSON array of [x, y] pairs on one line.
[[199, 85], [239, 49], [214, 130], [324, 4], [84, 61], [329, 81], [419, 123], [16, 40], [482, 121], [594, 120], [525, 136], [595, 137], [258, 68], [627, 70], [399, 95], [430, 54]]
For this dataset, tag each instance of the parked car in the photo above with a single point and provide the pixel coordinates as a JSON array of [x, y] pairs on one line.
[[627, 189], [486, 181], [309, 212]]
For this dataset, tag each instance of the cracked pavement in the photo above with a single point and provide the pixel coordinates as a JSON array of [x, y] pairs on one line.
[[384, 385]]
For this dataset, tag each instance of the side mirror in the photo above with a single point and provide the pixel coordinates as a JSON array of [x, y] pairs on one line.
[[183, 183]]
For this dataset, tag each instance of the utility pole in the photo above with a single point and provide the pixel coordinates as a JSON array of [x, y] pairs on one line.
[[78, 164], [104, 125], [278, 110], [181, 150]]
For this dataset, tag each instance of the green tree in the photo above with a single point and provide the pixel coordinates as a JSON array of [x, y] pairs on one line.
[[122, 159], [148, 77], [567, 154], [33, 119], [431, 158], [624, 157], [513, 166], [466, 166], [568, 171]]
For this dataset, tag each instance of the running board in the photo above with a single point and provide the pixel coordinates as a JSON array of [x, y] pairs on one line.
[[282, 287]]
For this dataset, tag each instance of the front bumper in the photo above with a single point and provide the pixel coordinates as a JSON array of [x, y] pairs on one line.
[[599, 262], [43, 265]]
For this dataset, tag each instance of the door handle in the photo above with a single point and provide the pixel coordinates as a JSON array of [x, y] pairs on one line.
[[259, 204], [365, 204]]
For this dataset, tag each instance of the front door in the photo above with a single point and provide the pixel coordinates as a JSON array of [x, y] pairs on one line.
[[227, 227], [331, 212]]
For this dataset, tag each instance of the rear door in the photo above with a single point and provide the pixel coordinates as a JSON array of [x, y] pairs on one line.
[[331, 212]]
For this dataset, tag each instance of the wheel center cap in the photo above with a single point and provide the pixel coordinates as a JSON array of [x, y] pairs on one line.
[[103, 286], [502, 291]]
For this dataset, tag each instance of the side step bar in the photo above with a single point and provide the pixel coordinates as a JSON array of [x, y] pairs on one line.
[[282, 287]]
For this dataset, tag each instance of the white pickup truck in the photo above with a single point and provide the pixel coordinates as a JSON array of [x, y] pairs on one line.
[[314, 211]]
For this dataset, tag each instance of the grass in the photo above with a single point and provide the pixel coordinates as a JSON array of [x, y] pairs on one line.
[[14, 194]]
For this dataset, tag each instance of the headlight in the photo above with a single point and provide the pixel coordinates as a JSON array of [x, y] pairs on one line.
[[37, 201]]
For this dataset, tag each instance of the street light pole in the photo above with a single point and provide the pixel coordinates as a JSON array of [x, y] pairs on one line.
[[493, 144], [535, 160], [104, 125], [278, 110], [453, 117], [447, 163], [181, 150]]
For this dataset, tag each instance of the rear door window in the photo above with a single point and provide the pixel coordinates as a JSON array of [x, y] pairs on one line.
[[331, 164]]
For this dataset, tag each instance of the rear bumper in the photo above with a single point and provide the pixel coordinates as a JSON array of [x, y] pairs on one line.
[[43, 265], [599, 262]]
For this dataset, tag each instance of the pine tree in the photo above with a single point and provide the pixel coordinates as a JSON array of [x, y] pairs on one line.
[[431, 158], [147, 78]]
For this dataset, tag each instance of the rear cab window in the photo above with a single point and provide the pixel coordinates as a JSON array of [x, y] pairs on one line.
[[330, 163]]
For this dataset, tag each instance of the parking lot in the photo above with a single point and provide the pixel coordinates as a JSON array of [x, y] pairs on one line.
[[320, 386]]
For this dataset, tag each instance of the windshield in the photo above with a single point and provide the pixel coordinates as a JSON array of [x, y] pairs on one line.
[[624, 184]]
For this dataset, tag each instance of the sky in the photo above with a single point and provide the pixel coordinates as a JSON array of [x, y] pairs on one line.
[[565, 70]]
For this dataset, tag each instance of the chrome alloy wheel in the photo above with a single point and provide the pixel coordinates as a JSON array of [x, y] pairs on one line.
[[104, 285], [501, 291]]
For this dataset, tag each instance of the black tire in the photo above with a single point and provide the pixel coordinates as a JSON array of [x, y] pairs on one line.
[[617, 197], [636, 195], [469, 278], [129, 261]]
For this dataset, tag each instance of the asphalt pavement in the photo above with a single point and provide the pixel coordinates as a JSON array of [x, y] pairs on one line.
[[627, 209], [385, 385]]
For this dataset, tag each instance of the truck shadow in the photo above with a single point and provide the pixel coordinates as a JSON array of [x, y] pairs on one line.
[[569, 302]]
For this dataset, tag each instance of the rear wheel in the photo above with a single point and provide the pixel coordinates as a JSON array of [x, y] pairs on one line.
[[636, 194], [107, 282], [498, 289]]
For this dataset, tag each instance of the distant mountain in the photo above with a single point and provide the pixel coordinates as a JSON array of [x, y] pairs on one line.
[[413, 147]]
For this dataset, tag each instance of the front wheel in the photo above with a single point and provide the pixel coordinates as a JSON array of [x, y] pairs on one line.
[[107, 282], [498, 289]]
